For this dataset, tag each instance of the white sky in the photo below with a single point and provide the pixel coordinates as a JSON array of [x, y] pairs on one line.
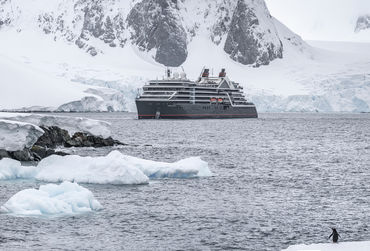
[[321, 19]]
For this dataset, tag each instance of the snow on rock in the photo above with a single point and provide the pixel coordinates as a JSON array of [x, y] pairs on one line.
[[63, 199], [71, 124], [116, 168], [16, 135], [12, 169], [341, 246]]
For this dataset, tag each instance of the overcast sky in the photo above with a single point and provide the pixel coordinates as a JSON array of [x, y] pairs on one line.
[[321, 19]]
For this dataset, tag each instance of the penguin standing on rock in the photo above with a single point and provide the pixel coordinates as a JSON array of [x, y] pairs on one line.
[[335, 235]]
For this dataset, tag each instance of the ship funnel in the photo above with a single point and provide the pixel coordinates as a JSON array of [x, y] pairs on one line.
[[205, 73], [222, 73]]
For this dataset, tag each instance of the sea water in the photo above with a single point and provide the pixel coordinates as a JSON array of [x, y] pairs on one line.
[[279, 180]]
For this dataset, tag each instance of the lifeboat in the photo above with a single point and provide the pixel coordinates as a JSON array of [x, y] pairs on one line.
[[220, 100], [213, 100]]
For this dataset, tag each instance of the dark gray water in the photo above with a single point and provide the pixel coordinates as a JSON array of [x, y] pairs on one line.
[[279, 180]]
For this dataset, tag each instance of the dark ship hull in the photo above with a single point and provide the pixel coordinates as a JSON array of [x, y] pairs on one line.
[[169, 110]]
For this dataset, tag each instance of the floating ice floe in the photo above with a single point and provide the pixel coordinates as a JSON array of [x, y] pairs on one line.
[[341, 246], [16, 135], [117, 168], [66, 198], [109, 169], [12, 169]]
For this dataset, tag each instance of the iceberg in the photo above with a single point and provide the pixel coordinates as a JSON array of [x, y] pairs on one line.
[[341, 246], [51, 199], [12, 169], [117, 168], [109, 169]]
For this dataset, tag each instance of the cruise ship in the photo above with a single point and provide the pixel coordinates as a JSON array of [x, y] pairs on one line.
[[176, 97]]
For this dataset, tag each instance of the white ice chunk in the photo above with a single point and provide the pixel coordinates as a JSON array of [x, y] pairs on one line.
[[341, 246], [71, 124], [186, 168], [12, 169], [117, 168], [16, 135], [52, 199], [110, 169]]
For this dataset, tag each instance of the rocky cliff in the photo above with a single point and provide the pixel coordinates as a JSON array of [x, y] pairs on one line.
[[161, 28]]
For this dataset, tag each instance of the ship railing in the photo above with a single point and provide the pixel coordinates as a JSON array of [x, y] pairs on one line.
[[173, 95], [232, 103]]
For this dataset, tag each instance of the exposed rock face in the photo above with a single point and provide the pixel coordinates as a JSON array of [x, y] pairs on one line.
[[53, 137], [90, 19], [161, 28], [363, 23], [248, 42], [156, 25]]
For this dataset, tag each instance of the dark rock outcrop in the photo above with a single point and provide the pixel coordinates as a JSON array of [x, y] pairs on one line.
[[53, 137], [246, 41], [363, 23], [156, 26]]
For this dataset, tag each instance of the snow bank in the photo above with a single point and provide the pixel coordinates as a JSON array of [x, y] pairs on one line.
[[71, 124], [16, 135], [116, 168], [12, 169], [341, 246], [52, 199]]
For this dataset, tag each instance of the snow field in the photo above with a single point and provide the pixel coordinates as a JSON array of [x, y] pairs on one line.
[[341, 246]]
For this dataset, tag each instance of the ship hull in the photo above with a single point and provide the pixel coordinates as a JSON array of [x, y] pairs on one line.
[[168, 110]]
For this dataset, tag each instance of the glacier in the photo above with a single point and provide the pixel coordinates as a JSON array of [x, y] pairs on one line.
[[52, 200]]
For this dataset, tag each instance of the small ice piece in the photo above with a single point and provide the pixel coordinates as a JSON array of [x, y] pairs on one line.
[[51, 199], [110, 169], [12, 169], [16, 136]]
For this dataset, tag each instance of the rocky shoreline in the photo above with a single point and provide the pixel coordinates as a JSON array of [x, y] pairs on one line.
[[54, 137]]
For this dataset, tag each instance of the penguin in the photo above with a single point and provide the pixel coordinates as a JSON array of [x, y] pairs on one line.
[[335, 235]]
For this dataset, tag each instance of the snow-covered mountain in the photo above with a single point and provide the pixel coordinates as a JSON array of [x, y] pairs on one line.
[[162, 27], [120, 44]]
